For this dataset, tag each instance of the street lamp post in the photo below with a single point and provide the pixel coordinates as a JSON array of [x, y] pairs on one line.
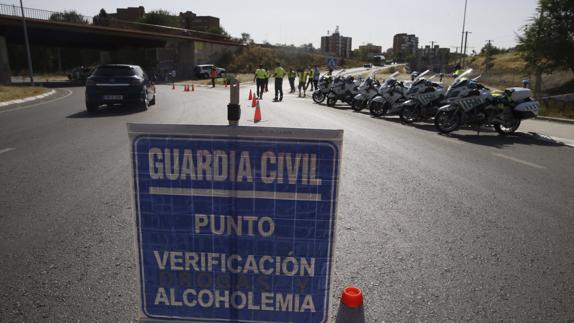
[[26, 41]]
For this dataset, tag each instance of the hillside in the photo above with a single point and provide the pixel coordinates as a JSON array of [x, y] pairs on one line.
[[508, 70]]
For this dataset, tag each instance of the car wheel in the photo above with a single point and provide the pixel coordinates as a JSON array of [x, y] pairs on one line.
[[91, 108]]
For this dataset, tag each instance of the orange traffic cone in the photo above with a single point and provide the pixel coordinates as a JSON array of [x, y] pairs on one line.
[[254, 102], [192, 87], [250, 95], [185, 88], [351, 307], [257, 116]]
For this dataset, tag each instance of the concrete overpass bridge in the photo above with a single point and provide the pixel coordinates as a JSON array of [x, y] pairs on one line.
[[177, 48]]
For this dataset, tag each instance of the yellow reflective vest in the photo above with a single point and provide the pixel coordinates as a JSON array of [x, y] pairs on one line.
[[279, 72], [302, 76], [261, 73]]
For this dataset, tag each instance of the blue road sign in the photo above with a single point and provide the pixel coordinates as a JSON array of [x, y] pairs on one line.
[[332, 62], [235, 224]]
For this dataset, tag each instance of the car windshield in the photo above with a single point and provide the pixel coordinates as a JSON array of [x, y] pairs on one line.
[[114, 71]]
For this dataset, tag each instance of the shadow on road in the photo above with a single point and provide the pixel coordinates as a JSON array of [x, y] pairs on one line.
[[491, 139], [105, 112], [486, 137]]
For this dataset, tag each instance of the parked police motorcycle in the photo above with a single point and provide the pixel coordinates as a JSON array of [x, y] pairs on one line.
[[503, 110], [368, 89], [324, 85], [390, 97], [344, 88], [425, 97]]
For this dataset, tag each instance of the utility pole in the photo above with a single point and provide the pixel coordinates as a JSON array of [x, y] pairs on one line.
[[463, 28], [31, 70], [488, 55], [465, 46]]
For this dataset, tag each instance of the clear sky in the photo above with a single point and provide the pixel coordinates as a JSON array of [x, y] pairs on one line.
[[305, 21]]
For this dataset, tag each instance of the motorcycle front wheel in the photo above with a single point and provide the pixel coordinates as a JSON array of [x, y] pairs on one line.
[[508, 128], [357, 106], [331, 101], [409, 114], [377, 109], [447, 121], [318, 97]]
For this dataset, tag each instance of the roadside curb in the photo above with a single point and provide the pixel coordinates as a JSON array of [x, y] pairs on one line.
[[553, 140], [28, 99], [561, 120]]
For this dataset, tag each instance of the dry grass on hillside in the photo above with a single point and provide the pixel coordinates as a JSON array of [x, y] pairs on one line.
[[508, 70]]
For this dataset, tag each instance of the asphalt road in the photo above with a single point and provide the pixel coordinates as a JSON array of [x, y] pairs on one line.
[[433, 228]]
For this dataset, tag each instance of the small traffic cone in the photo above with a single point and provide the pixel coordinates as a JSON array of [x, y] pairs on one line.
[[257, 116], [185, 88], [250, 95], [173, 86], [351, 308], [192, 87], [254, 102]]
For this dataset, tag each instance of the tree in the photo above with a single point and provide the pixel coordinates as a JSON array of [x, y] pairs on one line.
[[218, 30], [103, 13], [102, 19], [307, 47], [547, 43], [68, 16], [246, 39], [160, 18]]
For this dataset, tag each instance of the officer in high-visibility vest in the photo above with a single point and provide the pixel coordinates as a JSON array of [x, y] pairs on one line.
[[310, 75], [302, 74], [279, 74], [292, 75], [259, 79], [267, 76]]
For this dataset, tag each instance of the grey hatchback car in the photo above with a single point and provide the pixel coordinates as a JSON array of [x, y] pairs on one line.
[[119, 84]]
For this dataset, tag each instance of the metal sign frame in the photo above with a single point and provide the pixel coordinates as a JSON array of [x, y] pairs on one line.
[[327, 138]]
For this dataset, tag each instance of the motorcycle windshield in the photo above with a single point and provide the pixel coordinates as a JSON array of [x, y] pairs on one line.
[[422, 75], [463, 75]]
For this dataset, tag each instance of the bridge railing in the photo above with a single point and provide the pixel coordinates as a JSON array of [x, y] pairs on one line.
[[74, 18]]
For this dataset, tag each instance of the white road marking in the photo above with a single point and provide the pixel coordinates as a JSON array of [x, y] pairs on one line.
[[6, 150], [37, 104], [520, 161]]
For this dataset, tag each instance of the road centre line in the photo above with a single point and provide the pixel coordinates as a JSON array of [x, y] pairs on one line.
[[6, 150], [519, 161]]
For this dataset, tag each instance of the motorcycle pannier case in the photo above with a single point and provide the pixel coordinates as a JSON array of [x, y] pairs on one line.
[[518, 94]]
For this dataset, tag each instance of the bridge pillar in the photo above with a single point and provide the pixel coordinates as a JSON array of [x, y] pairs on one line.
[[185, 59], [105, 57], [4, 63]]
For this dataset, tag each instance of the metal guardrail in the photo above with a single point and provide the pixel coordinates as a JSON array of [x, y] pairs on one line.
[[40, 14], [559, 98]]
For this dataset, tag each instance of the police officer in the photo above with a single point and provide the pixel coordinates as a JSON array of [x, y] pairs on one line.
[[310, 74], [259, 79], [279, 74], [292, 75], [267, 75], [316, 76], [302, 74]]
